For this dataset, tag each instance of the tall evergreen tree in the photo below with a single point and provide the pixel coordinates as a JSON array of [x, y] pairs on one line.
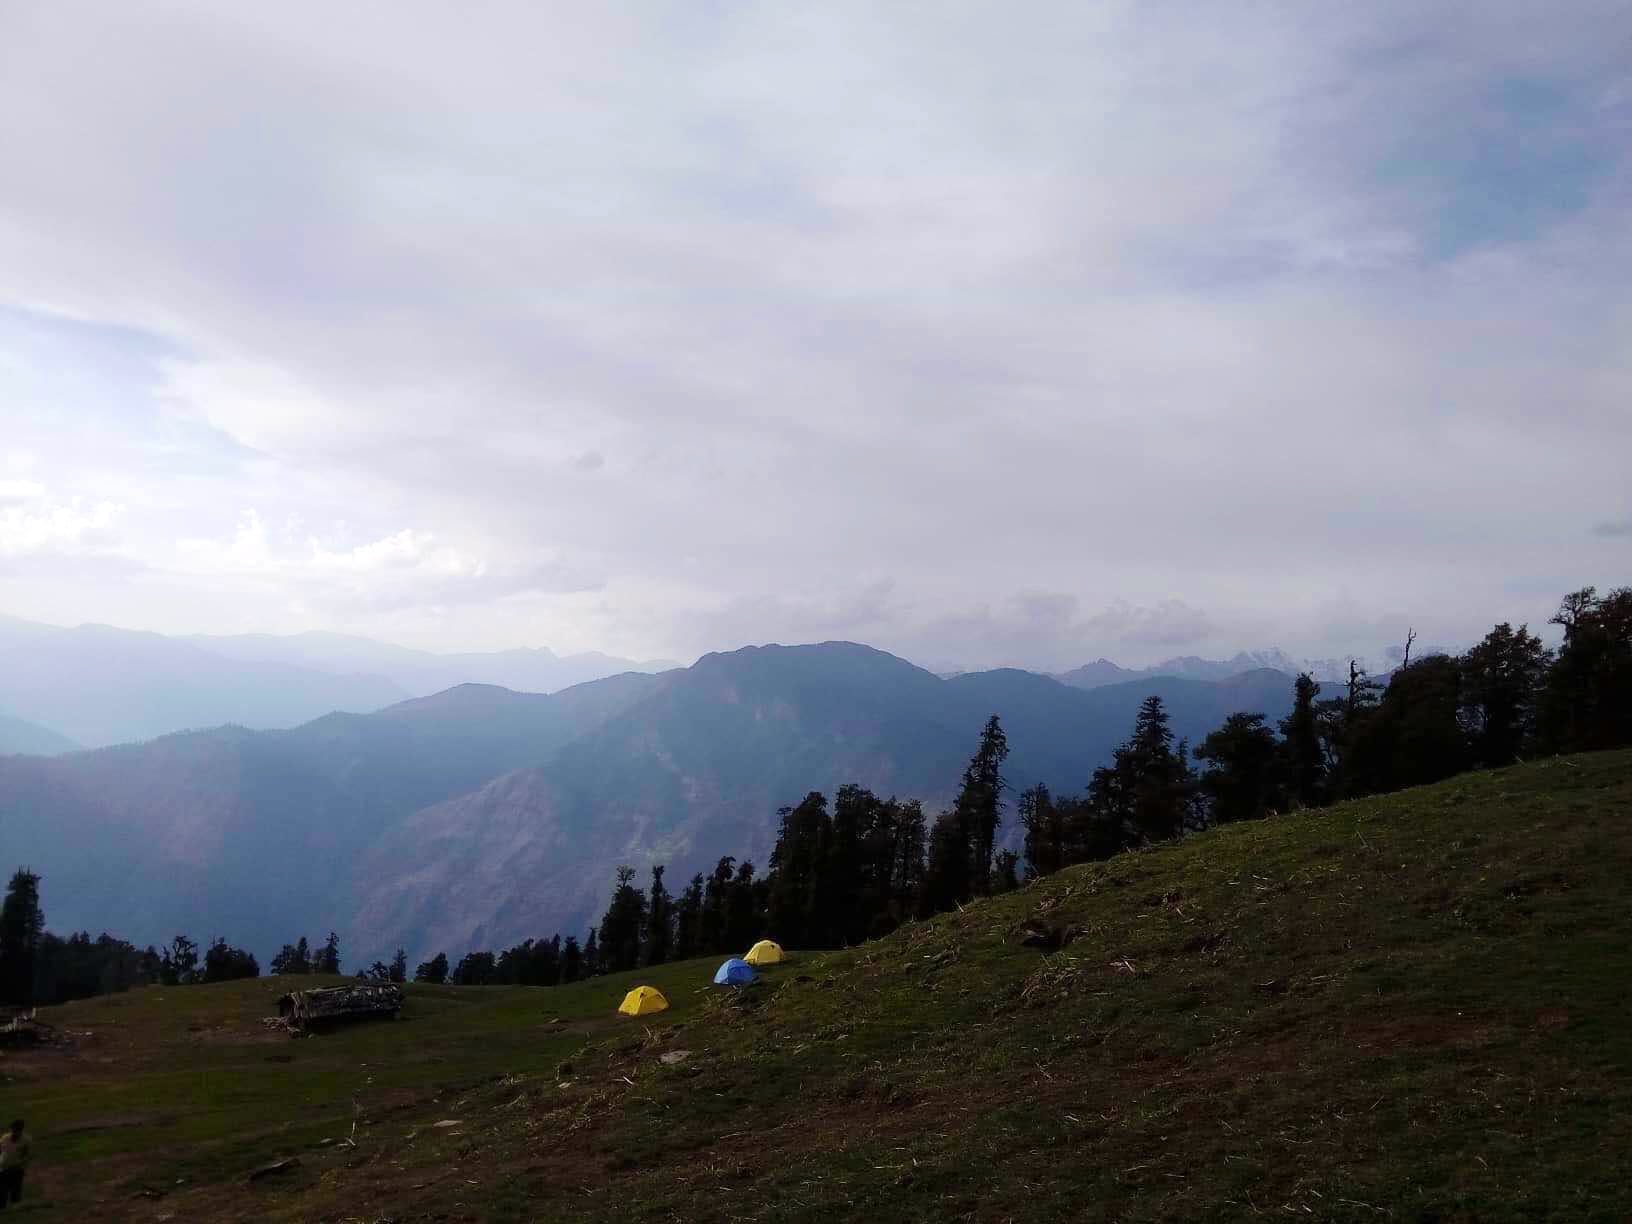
[[328, 956], [796, 865], [398, 971], [745, 918], [1502, 678], [659, 920], [623, 924], [688, 920], [1240, 781], [961, 842], [434, 971], [593, 962], [22, 927], [572, 960], [981, 801], [1587, 701], [1303, 764], [1044, 825]]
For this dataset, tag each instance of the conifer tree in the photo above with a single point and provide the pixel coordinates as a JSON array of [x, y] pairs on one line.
[[398, 971], [1303, 764], [1502, 680], [623, 924], [594, 961], [659, 919], [434, 971], [22, 927], [572, 960], [328, 957], [688, 920], [1240, 781]]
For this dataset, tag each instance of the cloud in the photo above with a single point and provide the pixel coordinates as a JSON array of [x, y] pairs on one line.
[[405, 569], [32, 525], [1119, 328]]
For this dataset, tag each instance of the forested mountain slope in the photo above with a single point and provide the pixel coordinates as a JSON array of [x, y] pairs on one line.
[[699, 768]]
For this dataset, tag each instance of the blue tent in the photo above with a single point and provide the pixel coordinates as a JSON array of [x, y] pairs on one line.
[[735, 972]]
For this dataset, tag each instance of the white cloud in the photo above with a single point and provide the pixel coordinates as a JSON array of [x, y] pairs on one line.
[[666, 331], [31, 525]]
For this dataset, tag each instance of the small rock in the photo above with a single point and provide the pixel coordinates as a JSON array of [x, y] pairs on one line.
[[445, 1123], [674, 1057]]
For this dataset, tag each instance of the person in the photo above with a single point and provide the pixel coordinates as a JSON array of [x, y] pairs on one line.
[[14, 1152]]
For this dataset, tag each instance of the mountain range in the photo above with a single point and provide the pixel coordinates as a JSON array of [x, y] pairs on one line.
[[95, 685], [479, 815]]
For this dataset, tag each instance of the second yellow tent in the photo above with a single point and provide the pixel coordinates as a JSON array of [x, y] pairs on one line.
[[765, 952]]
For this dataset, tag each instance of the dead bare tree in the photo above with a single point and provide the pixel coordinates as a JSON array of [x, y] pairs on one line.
[[1410, 636]]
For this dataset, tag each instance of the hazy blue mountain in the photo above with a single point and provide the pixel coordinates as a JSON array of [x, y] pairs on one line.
[[99, 685], [252, 834], [699, 767], [1192, 667], [479, 815], [18, 736], [421, 672]]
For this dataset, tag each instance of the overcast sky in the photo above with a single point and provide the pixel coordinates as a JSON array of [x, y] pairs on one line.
[[985, 333]]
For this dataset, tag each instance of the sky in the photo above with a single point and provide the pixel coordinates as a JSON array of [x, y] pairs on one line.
[[987, 334]]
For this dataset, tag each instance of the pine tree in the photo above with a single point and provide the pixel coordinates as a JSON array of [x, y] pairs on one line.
[[688, 920], [572, 960], [1502, 680], [981, 801], [1587, 701], [623, 924], [398, 971], [1240, 781], [293, 958], [1303, 765], [328, 958], [960, 844], [434, 971], [1045, 832], [593, 961], [22, 927], [659, 920]]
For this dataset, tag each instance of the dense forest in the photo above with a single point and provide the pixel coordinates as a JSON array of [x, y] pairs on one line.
[[860, 865]]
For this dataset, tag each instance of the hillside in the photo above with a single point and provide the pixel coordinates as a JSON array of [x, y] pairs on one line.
[[699, 768], [19, 736], [1409, 1008], [253, 834]]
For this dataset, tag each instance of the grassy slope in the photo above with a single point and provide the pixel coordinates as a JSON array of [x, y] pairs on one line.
[[1412, 1007]]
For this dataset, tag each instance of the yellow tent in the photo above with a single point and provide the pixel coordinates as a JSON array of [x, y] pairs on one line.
[[643, 1001], [765, 952]]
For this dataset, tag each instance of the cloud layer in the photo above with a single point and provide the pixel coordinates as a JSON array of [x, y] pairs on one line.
[[1111, 329]]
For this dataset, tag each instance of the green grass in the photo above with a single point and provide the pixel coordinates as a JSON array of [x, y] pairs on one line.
[[1408, 1008]]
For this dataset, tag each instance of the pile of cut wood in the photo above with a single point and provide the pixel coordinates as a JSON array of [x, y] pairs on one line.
[[305, 1010]]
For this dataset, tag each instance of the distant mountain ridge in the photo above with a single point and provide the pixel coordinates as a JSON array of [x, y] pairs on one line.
[[31, 739], [1192, 667], [98, 685], [479, 816]]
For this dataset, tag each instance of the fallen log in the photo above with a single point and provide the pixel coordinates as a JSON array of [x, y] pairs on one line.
[[305, 1010]]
